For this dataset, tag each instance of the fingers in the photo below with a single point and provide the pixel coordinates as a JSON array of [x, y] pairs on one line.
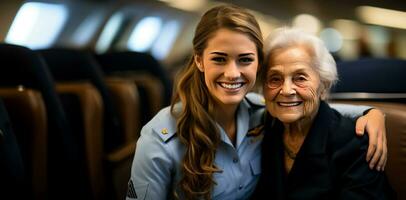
[[360, 125], [379, 152], [384, 157], [372, 148], [376, 156], [382, 161]]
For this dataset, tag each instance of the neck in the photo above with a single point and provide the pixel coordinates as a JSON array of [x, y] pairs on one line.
[[225, 116], [297, 129]]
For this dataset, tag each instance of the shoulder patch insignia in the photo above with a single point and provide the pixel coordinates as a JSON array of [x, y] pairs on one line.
[[164, 131], [256, 131], [131, 190]]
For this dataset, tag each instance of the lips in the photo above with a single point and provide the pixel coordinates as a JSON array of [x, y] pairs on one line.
[[289, 104], [231, 86]]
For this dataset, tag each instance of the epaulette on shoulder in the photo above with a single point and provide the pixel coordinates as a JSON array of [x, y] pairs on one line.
[[255, 99]]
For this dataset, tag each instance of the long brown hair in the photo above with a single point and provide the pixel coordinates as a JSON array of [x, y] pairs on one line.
[[196, 128]]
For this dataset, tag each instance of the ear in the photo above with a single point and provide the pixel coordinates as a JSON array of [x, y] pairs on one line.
[[324, 94], [199, 63]]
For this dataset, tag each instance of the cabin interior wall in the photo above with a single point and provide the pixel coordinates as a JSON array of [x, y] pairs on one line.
[[8, 11]]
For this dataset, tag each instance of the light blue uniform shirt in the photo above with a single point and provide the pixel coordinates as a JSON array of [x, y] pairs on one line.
[[156, 168]]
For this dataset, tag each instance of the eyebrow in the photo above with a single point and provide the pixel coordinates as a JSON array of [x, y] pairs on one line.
[[300, 70], [225, 54], [246, 54], [219, 53]]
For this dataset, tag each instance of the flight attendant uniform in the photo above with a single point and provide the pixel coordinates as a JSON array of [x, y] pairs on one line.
[[156, 168]]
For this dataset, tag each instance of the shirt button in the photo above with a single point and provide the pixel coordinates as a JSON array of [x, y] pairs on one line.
[[240, 187], [235, 160]]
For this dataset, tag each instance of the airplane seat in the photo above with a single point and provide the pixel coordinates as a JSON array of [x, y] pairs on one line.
[[131, 61], [25, 67], [150, 78], [120, 102], [380, 83], [12, 171], [29, 122], [371, 75], [84, 109], [125, 96], [75, 65]]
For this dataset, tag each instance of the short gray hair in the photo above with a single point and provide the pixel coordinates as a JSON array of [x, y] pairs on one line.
[[323, 61]]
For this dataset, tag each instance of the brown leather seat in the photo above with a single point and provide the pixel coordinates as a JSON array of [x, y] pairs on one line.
[[29, 121], [151, 92], [125, 96], [88, 126], [126, 99], [396, 135]]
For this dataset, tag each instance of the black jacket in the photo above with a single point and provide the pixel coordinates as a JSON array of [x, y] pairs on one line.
[[330, 164]]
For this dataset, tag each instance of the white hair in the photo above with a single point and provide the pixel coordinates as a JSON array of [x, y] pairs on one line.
[[322, 61]]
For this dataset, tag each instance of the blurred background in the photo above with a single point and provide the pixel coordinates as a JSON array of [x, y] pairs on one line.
[[164, 28], [79, 79]]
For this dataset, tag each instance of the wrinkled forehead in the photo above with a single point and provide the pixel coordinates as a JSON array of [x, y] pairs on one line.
[[295, 58]]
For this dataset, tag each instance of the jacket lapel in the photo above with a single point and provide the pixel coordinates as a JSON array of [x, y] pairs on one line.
[[313, 153]]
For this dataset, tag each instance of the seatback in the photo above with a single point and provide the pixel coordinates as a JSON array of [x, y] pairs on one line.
[[12, 173], [121, 115], [24, 67], [29, 122], [128, 62], [75, 65], [373, 75], [126, 97], [84, 109]]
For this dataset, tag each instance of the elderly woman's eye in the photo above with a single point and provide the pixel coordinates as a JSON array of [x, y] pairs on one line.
[[300, 78], [274, 81]]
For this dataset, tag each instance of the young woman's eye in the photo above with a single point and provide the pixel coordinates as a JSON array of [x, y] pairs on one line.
[[218, 59], [246, 60]]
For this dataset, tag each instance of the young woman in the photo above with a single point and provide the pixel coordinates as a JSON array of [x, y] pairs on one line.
[[205, 145]]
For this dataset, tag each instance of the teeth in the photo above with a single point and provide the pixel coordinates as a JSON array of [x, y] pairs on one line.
[[289, 104], [231, 86]]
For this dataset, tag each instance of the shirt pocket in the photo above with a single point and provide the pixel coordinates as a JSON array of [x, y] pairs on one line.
[[255, 165], [219, 187]]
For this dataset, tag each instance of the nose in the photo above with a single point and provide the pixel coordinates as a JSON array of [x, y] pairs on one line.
[[232, 71], [288, 88]]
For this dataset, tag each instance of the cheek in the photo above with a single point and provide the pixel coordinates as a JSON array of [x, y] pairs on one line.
[[311, 99], [207, 79], [251, 73], [270, 94]]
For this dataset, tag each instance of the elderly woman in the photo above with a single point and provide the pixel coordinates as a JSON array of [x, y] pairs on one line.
[[309, 150]]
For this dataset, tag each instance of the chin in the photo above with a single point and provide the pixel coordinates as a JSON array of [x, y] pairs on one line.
[[231, 100], [288, 118]]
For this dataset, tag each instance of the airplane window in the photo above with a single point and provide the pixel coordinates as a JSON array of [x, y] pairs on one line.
[[165, 41], [37, 25], [332, 39], [87, 29], [144, 34], [109, 32]]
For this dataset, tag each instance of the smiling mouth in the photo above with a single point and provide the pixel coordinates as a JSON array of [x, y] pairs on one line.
[[231, 86], [289, 104]]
